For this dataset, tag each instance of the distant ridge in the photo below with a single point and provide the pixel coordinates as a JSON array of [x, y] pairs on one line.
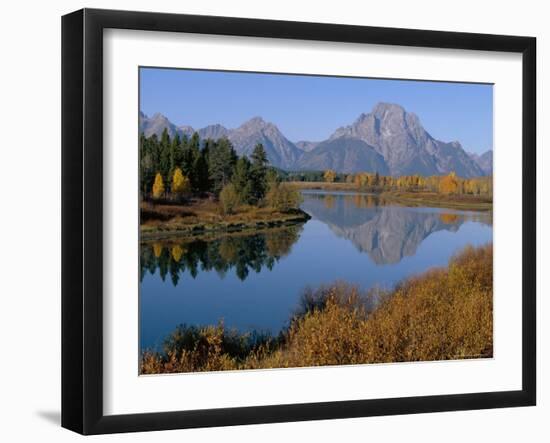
[[388, 140], [485, 161]]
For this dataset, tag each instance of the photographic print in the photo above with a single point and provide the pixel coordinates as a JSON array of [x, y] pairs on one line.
[[299, 220]]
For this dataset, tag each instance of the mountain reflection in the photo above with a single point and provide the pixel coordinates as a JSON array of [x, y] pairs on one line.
[[243, 253], [386, 232]]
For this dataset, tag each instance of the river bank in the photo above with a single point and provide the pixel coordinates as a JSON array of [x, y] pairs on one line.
[[453, 201], [203, 217], [466, 202]]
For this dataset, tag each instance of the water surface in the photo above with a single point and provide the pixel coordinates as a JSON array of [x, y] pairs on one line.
[[254, 281]]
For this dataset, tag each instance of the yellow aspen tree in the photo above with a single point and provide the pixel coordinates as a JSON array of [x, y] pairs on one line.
[[180, 183], [157, 249], [329, 201], [329, 175], [177, 252], [158, 186], [449, 184], [362, 180], [449, 219]]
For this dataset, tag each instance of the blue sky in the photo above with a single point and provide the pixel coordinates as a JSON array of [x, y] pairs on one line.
[[311, 108]]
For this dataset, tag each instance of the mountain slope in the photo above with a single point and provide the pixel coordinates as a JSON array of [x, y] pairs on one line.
[[214, 132], [280, 151], [306, 146], [156, 124], [485, 161], [344, 154], [405, 145]]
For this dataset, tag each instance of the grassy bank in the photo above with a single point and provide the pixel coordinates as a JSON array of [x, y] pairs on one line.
[[202, 217], [419, 198], [209, 236], [324, 186], [455, 201], [445, 313]]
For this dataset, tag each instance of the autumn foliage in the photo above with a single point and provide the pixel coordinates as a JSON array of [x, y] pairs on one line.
[[443, 314], [180, 183], [446, 184], [283, 198], [449, 184], [329, 175], [158, 187], [229, 199]]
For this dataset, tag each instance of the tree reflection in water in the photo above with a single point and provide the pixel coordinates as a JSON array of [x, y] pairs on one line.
[[244, 253]]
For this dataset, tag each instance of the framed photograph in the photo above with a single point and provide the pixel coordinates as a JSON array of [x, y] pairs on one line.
[[269, 221]]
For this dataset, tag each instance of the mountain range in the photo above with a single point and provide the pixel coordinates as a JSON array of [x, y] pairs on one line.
[[387, 140]]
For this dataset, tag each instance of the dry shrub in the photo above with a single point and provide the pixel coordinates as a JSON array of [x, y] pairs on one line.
[[209, 348], [445, 313], [283, 198]]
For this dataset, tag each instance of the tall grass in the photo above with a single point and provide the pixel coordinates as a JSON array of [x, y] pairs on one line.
[[445, 313]]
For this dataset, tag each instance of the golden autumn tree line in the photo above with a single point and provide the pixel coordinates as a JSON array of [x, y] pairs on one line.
[[446, 184]]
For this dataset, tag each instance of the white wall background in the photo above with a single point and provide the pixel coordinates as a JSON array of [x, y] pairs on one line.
[[30, 172]]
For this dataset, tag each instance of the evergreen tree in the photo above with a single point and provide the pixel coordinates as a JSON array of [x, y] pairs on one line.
[[143, 145], [146, 166], [195, 142], [201, 183], [175, 153], [258, 172], [165, 155], [221, 161], [191, 153], [242, 180], [154, 146]]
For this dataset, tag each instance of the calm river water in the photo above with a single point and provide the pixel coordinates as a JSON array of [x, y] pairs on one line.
[[254, 281]]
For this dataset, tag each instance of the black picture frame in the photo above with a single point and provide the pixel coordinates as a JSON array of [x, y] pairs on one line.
[[82, 220]]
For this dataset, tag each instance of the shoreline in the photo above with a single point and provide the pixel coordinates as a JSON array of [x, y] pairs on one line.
[[171, 239], [175, 228], [410, 198], [468, 203], [203, 224]]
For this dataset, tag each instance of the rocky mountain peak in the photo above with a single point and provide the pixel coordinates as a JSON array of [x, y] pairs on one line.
[[456, 144], [405, 145], [280, 151], [159, 116], [186, 130], [213, 132], [255, 124], [382, 110], [156, 124]]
